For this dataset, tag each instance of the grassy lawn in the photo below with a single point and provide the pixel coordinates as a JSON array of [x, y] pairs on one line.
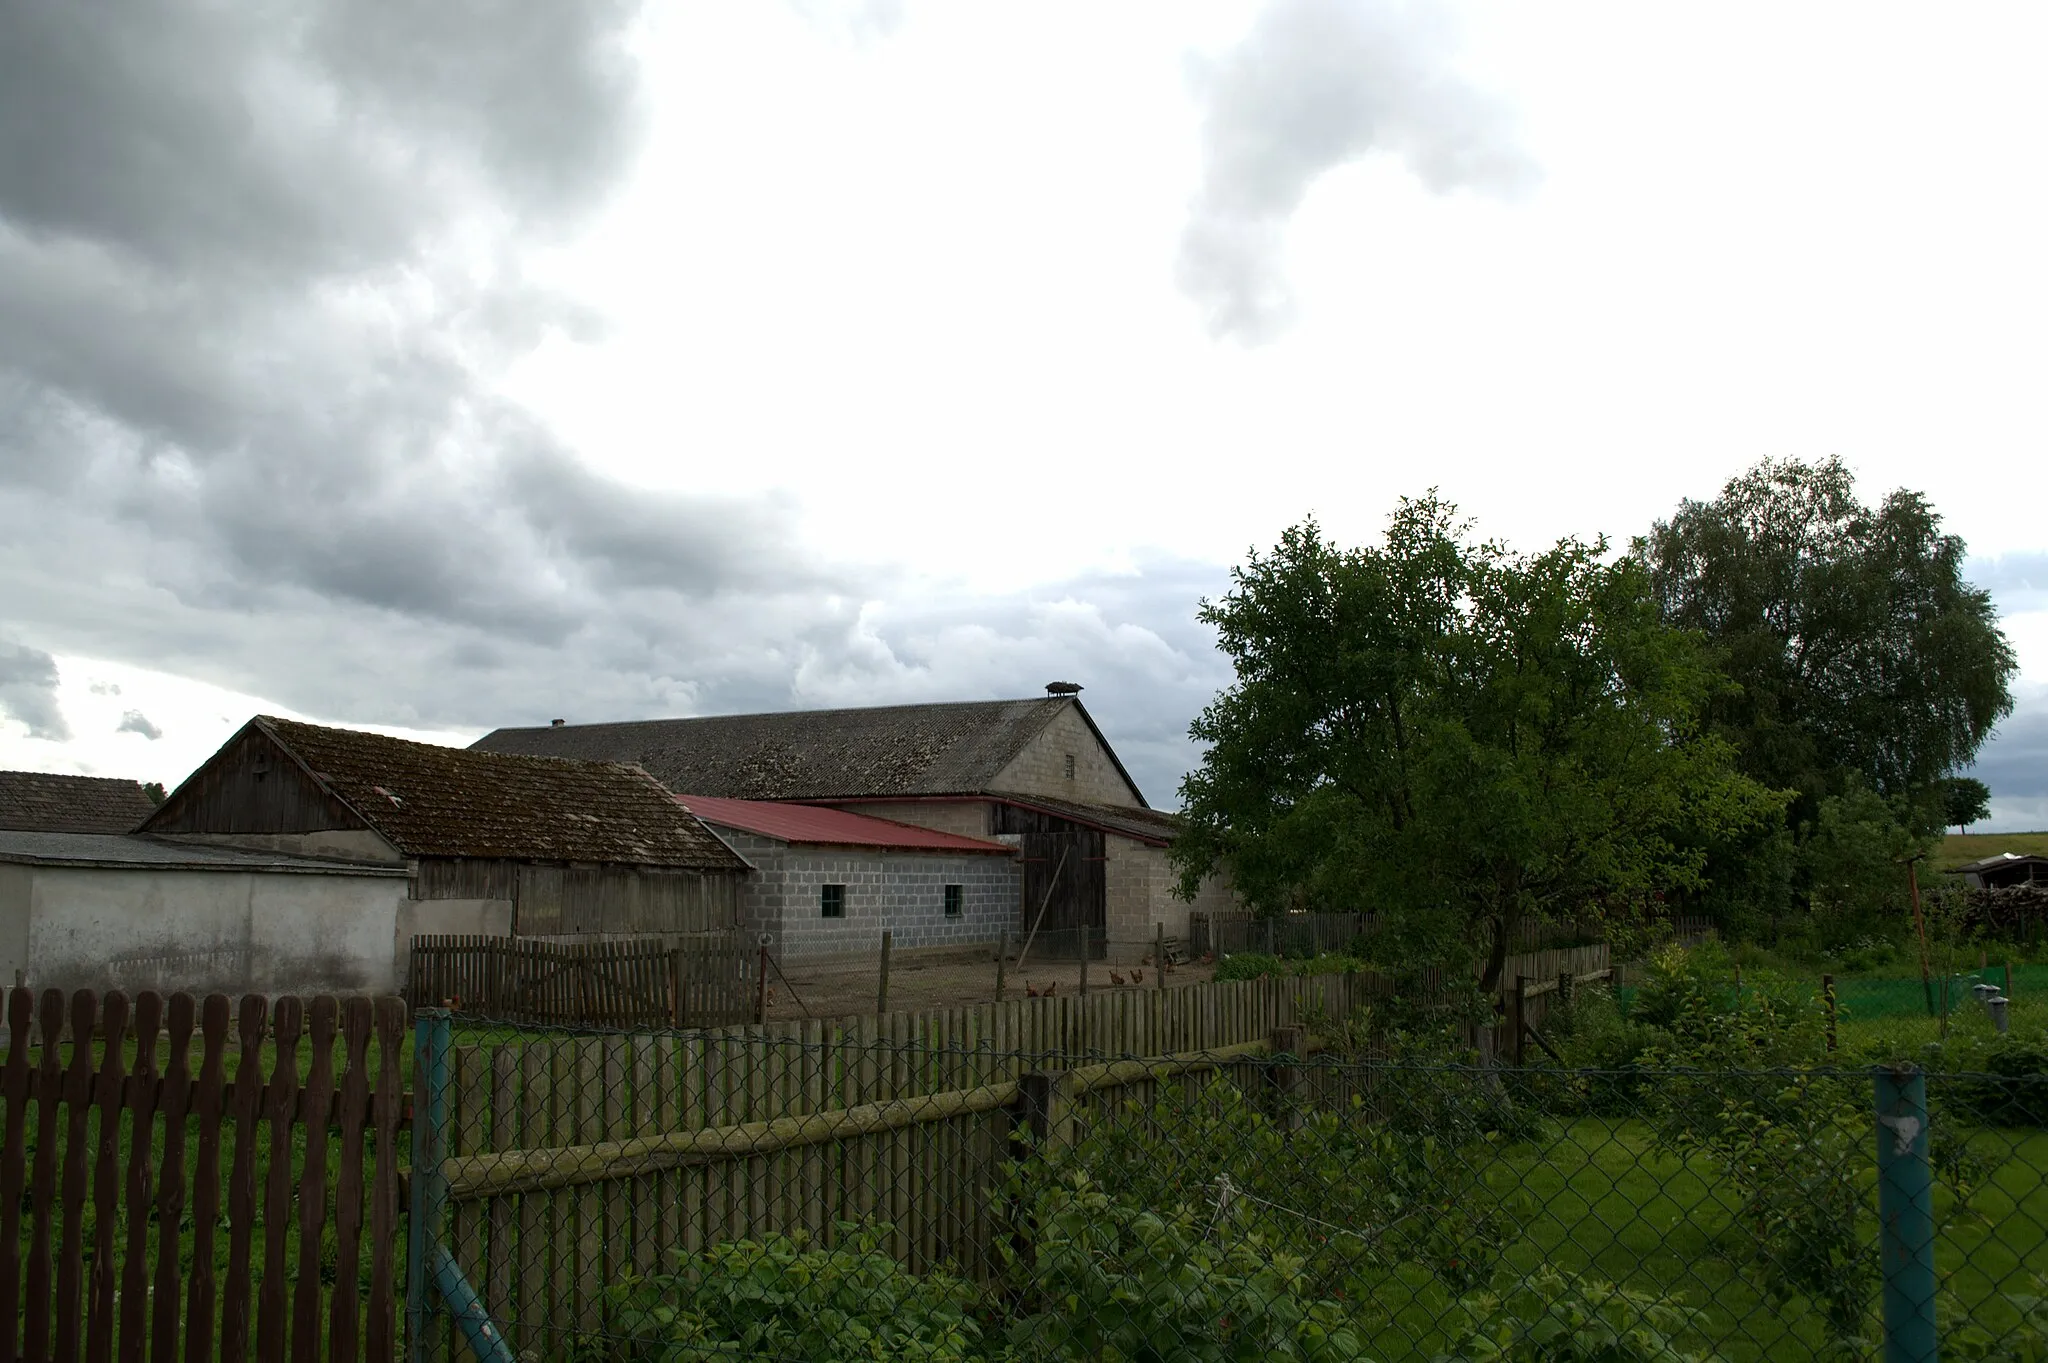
[[1958, 849]]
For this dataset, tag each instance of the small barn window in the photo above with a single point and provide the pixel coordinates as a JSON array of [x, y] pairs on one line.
[[955, 898], [1070, 766], [832, 901]]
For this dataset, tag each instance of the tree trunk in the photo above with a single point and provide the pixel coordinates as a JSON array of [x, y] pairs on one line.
[[1496, 956]]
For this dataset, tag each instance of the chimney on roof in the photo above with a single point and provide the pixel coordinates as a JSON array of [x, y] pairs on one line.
[[1062, 688], [555, 723]]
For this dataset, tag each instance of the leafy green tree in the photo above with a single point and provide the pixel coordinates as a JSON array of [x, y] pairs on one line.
[[154, 790], [1859, 652], [1456, 735], [1964, 800]]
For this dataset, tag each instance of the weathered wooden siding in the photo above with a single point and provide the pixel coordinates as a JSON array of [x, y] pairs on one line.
[[466, 878], [560, 901], [251, 787]]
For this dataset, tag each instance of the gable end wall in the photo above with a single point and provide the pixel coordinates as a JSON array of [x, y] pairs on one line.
[[1041, 768]]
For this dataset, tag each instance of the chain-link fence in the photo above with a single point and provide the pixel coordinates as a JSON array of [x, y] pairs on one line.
[[736, 1195]]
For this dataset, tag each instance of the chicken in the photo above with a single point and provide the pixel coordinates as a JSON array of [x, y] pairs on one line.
[[1050, 989], [1029, 992], [1137, 975], [1117, 980]]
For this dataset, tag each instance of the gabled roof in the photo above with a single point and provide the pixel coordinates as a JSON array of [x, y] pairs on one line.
[[956, 748], [812, 825], [431, 801], [44, 802]]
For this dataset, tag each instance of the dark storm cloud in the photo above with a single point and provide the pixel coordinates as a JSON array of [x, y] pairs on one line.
[[247, 258], [28, 690], [135, 722], [1315, 85], [258, 266]]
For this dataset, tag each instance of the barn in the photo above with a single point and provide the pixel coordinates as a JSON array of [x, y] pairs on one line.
[[491, 843], [1038, 771], [831, 881]]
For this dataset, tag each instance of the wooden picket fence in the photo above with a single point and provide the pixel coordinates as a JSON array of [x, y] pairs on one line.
[[124, 1162], [698, 980], [799, 1127]]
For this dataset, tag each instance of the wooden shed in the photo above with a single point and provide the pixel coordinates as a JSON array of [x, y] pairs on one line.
[[537, 846]]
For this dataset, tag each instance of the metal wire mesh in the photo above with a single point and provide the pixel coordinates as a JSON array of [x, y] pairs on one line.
[[871, 1194]]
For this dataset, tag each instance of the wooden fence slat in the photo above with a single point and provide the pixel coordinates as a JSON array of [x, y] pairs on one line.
[[200, 1292], [136, 1194], [35, 1330], [345, 1303], [235, 1301], [323, 1018], [77, 1097], [176, 1103], [14, 1080], [380, 1323], [288, 1017], [109, 1089]]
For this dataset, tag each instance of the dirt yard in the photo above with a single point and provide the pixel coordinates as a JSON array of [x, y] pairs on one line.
[[847, 986]]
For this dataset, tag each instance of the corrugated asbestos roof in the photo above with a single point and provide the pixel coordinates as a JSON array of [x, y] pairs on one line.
[[814, 825], [49, 803], [430, 801], [950, 749], [121, 851], [1146, 825]]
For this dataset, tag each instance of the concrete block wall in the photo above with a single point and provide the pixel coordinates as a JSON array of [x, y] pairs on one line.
[[903, 892], [1041, 769], [1139, 894]]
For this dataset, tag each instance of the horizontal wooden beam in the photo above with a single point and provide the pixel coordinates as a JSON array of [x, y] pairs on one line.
[[1550, 985], [517, 1171]]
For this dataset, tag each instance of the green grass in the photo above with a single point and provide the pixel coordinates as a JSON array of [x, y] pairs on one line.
[[1958, 849]]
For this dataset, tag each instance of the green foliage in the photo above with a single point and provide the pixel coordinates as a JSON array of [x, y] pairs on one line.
[[1341, 1190], [780, 1297], [155, 791], [1254, 965], [1964, 800], [1108, 1278], [2006, 1083], [1853, 858], [1711, 1022], [1554, 1317], [1859, 652], [1465, 737], [1970, 1341]]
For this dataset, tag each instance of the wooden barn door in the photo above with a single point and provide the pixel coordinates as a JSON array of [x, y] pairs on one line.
[[1063, 875]]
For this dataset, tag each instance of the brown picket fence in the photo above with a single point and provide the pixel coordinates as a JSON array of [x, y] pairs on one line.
[[693, 980], [241, 1202]]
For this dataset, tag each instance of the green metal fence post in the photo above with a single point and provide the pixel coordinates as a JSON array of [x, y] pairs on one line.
[[429, 1188], [1905, 1212]]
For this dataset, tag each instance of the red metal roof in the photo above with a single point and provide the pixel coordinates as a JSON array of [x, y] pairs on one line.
[[812, 824]]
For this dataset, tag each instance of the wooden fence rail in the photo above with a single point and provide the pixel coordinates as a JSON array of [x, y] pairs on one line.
[[1226, 932], [699, 980], [576, 1161], [119, 1151]]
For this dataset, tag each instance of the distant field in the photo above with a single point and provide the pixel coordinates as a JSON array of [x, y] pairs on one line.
[[1959, 848]]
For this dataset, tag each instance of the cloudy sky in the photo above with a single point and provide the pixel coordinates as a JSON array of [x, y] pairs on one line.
[[438, 367]]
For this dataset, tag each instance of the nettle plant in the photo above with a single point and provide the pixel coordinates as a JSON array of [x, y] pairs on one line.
[[1345, 1190], [783, 1297], [1554, 1317], [1106, 1278]]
